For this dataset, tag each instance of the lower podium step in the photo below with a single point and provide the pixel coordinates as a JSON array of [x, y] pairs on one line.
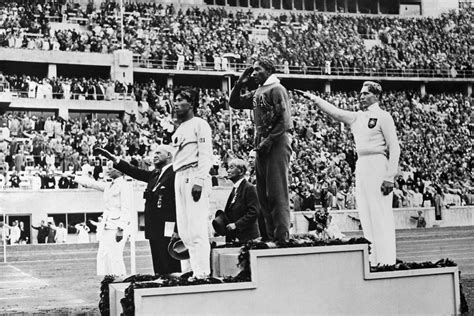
[[310, 280]]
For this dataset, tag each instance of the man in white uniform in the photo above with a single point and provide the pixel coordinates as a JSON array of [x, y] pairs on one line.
[[378, 152], [192, 163], [114, 228]]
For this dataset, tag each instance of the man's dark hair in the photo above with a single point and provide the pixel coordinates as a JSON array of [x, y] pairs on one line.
[[267, 63], [191, 95]]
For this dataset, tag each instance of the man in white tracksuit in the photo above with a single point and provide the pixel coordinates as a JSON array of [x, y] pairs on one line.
[[192, 163], [378, 152]]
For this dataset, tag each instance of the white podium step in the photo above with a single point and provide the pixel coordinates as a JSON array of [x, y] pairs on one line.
[[310, 280]]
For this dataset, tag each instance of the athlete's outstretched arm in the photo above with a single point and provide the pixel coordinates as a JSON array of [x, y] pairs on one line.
[[347, 117]]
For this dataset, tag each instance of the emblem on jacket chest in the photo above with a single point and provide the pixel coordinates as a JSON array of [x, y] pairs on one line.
[[372, 122]]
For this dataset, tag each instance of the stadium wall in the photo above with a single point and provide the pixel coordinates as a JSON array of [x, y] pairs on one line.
[[97, 3], [39, 204], [429, 7], [58, 57], [63, 107], [119, 63], [121, 66], [436, 7]]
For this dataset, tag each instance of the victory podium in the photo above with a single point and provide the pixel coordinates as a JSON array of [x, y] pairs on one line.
[[307, 280]]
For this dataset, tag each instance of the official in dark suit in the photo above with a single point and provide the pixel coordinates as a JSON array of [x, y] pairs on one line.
[[43, 232], [242, 206], [160, 205]]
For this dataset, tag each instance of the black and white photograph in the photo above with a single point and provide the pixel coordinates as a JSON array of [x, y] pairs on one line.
[[236, 157]]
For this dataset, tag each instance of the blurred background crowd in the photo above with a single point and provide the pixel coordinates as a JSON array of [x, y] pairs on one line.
[[198, 37], [434, 132]]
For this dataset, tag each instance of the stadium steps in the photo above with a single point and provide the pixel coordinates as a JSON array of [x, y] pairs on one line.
[[436, 232], [426, 233]]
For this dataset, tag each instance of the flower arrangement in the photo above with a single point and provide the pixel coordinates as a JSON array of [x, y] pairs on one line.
[[318, 222], [321, 219], [414, 265]]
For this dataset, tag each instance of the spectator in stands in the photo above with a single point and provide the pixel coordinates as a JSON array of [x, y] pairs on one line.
[[14, 180], [36, 181], [60, 88], [4, 233], [309, 201], [43, 232], [420, 220], [416, 198], [51, 238], [82, 233], [61, 234], [438, 203], [433, 130], [24, 235], [15, 233], [330, 43], [19, 159], [428, 198], [48, 180]]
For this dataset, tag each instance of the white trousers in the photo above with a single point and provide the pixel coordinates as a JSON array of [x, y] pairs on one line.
[[110, 254], [192, 219], [375, 209]]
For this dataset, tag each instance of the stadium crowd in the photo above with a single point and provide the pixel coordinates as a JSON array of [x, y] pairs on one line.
[[433, 130], [67, 88], [198, 38]]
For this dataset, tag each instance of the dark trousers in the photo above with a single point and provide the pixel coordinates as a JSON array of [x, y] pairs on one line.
[[272, 188], [262, 226], [163, 263]]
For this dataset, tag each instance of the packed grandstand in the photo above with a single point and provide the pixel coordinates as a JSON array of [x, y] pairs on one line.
[[165, 36], [435, 129]]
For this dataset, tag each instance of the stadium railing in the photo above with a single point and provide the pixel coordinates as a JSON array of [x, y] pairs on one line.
[[141, 62], [76, 96]]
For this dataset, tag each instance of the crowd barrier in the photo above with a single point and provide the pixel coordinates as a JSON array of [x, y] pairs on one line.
[[63, 107], [40, 204], [141, 62]]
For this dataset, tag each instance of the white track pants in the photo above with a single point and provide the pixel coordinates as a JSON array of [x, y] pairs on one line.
[[110, 254], [375, 209], [192, 219]]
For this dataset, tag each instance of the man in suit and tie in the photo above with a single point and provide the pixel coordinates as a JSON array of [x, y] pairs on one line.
[[160, 204], [241, 210]]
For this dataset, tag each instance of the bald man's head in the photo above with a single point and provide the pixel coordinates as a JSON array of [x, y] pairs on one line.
[[163, 156]]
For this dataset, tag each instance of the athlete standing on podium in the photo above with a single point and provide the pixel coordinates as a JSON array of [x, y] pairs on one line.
[[271, 106], [192, 163], [378, 152]]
